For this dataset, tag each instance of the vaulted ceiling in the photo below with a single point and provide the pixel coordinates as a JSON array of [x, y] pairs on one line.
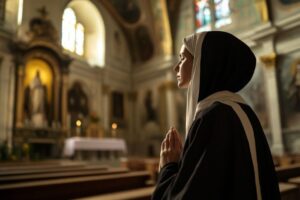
[[135, 17]]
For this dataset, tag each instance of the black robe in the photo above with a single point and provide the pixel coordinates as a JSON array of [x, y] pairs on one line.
[[216, 162]]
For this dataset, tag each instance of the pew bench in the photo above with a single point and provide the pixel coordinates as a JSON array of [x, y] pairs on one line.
[[95, 171], [288, 191], [135, 194], [40, 170], [286, 172], [68, 188]]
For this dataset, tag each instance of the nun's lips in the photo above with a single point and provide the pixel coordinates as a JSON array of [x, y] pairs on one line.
[[178, 77]]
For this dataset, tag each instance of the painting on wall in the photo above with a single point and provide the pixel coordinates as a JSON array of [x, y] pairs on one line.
[[289, 74], [255, 95], [226, 14], [128, 9], [282, 9], [288, 2], [255, 11]]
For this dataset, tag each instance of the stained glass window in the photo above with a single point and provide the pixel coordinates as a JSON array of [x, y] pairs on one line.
[[212, 12], [203, 15], [222, 13]]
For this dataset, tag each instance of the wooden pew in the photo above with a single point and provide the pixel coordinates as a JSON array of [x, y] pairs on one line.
[[296, 181], [288, 191], [40, 169], [135, 194], [95, 171], [74, 187], [286, 172], [32, 163]]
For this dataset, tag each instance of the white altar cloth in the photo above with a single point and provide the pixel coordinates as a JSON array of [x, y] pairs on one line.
[[93, 144]]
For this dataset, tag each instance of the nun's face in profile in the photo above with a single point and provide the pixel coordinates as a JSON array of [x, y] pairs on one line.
[[183, 68]]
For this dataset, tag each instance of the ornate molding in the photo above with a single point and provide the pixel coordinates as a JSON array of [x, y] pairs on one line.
[[268, 60]]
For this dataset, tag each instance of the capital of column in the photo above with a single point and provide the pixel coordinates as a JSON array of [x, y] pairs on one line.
[[268, 60]]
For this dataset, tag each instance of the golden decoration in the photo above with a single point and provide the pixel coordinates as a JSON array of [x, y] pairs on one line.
[[268, 60]]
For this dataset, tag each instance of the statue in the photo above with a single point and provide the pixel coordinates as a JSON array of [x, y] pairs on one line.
[[36, 102], [151, 112], [78, 106]]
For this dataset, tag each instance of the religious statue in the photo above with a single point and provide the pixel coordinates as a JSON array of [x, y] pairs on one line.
[[151, 112], [36, 102], [78, 106]]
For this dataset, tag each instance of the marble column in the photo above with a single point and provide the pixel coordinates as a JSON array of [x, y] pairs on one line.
[[132, 97], [172, 118], [269, 62], [106, 110], [20, 96], [7, 93], [64, 101]]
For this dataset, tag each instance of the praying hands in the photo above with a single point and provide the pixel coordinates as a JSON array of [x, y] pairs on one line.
[[171, 148]]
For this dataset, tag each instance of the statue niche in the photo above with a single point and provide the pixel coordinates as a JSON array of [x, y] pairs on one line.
[[36, 106], [78, 107]]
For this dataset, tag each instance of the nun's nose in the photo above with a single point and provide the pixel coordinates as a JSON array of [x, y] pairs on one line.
[[176, 67]]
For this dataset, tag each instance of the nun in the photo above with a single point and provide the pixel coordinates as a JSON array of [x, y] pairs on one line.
[[225, 153]]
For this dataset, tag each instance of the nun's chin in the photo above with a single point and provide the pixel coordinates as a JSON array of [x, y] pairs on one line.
[[182, 85]]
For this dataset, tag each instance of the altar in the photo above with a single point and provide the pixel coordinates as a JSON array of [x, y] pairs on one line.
[[75, 147]]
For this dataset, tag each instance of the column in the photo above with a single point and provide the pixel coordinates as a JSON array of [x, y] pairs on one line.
[[20, 96], [64, 101], [132, 97], [269, 62], [106, 110], [7, 100], [170, 85]]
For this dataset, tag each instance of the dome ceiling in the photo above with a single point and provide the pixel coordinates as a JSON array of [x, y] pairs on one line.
[[135, 17]]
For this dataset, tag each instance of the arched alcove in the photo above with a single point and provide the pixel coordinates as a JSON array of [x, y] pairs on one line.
[[89, 16]]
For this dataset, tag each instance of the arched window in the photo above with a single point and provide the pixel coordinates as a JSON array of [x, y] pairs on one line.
[[72, 33], [83, 32], [212, 14]]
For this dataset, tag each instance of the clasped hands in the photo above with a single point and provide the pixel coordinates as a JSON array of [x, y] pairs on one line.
[[171, 148]]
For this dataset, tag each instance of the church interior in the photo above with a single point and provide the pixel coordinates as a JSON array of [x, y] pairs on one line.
[[88, 91]]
